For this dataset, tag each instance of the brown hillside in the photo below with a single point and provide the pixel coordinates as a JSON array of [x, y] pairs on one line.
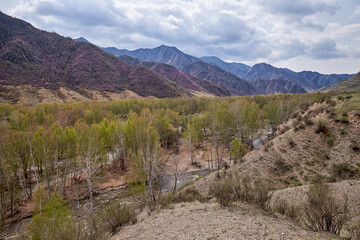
[[349, 85]]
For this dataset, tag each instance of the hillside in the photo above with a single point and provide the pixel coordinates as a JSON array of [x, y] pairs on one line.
[[211, 72], [349, 85], [184, 80], [43, 59], [274, 86]]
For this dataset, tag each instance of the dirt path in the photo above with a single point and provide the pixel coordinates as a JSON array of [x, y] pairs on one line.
[[210, 221]]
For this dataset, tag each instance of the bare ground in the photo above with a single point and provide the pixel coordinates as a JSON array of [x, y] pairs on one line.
[[210, 221]]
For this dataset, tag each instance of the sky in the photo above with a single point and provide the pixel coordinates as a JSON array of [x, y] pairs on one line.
[[314, 35]]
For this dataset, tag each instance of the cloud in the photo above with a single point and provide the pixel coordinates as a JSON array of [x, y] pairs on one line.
[[299, 8], [325, 49], [240, 30]]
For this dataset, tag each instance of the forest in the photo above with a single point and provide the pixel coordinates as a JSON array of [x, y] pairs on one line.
[[47, 148]]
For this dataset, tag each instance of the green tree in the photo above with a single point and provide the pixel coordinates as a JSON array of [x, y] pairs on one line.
[[237, 150], [54, 221]]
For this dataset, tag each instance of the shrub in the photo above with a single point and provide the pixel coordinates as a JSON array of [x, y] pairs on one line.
[[343, 171], [343, 118], [189, 195], [164, 201], [323, 212], [260, 192], [323, 127], [240, 189], [280, 166], [118, 214], [284, 208], [292, 143], [223, 192]]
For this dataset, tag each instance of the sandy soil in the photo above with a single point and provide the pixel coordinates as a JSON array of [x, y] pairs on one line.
[[210, 221]]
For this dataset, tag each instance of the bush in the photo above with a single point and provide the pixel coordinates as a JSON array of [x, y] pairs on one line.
[[284, 208], [224, 193], [118, 214], [281, 167], [240, 189], [189, 195], [343, 171], [323, 127], [322, 212], [343, 118]]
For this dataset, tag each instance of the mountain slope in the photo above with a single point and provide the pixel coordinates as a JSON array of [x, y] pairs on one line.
[[322, 80], [349, 85], [43, 59], [213, 73], [267, 72], [274, 86], [162, 54], [238, 69], [182, 79], [306, 79]]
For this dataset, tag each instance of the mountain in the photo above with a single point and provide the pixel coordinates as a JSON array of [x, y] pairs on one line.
[[81, 39], [43, 59], [323, 80], [215, 74], [306, 79], [349, 85], [182, 79], [161, 54], [274, 86], [238, 69], [267, 72]]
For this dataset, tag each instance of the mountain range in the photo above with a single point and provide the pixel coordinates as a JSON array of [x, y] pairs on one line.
[[307, 80], [29, 56]]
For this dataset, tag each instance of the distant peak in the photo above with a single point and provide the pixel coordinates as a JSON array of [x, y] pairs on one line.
[[167, 47], [81, 39]]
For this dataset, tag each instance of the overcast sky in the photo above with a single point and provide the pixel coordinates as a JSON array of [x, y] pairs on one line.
[[317, 35]]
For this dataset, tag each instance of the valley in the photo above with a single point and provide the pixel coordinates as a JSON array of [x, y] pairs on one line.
[[154, 143]]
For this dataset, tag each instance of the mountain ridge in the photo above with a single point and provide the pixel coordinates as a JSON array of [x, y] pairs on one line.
[[32, 56], [184, 80], [308, 80]]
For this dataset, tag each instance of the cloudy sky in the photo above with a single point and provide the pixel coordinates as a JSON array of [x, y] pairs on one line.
[[317, 35]]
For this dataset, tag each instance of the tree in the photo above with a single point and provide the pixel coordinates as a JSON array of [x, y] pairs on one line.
[[90, 147], [237, 150], [54, 221], [143, 143]]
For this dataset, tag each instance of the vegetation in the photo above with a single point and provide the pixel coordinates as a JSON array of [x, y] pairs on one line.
[[323, 212], [58, 145]]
